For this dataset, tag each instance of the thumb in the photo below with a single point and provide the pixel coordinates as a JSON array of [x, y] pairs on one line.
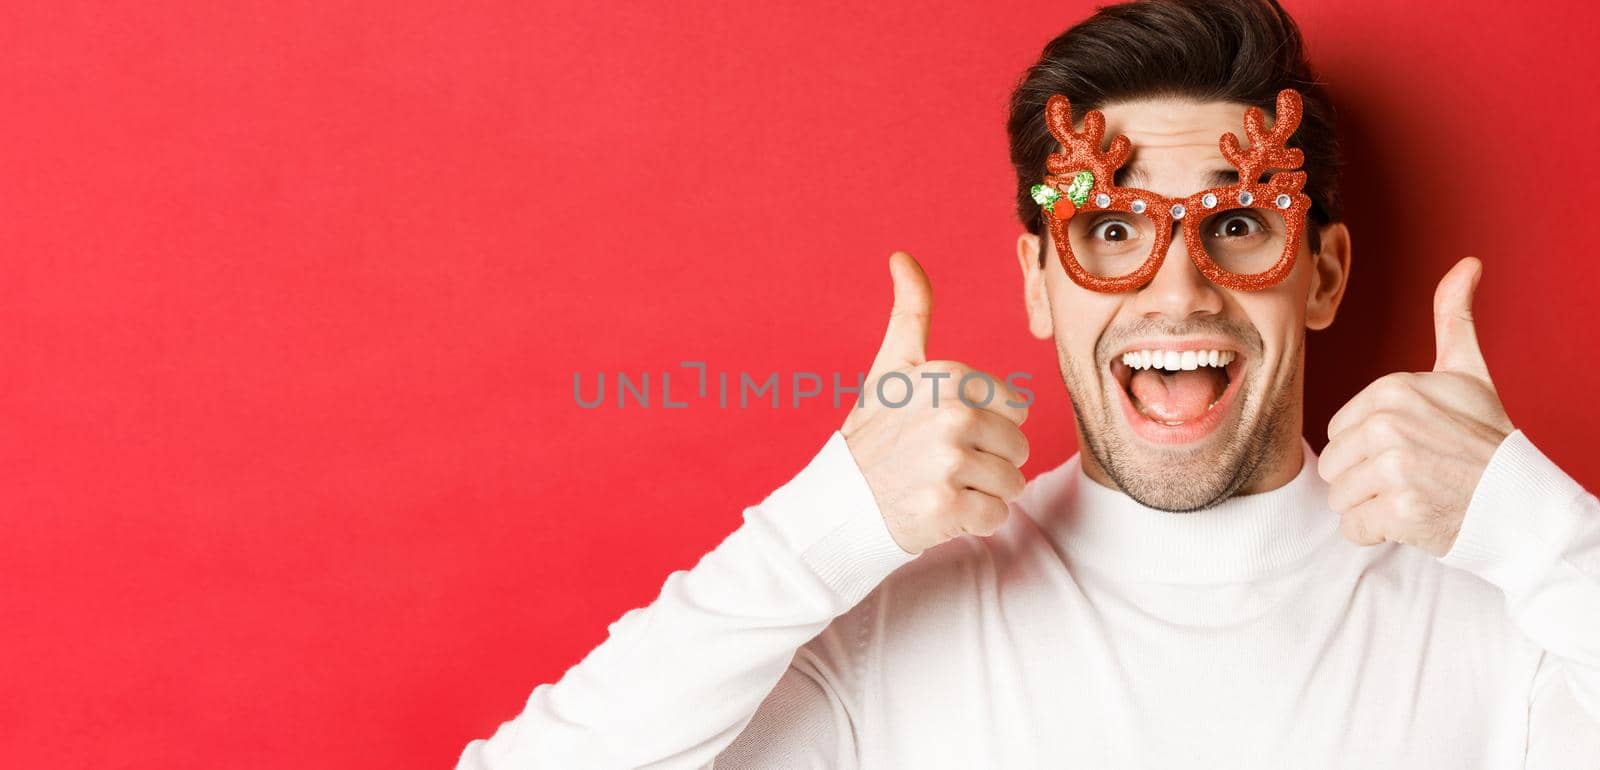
[[1455, 337], [906, 341]]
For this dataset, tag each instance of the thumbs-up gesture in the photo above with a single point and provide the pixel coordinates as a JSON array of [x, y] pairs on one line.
[[943, 458], [1405, 455]]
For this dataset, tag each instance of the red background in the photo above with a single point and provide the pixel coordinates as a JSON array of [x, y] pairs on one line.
[[294, 294]]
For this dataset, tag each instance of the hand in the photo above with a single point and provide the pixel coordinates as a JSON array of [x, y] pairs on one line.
[[937, 465], [1405, 455]]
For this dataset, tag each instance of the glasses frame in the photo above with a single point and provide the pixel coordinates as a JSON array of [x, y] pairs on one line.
[[1280, 193]]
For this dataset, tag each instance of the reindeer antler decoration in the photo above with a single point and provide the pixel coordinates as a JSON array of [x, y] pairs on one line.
[[1267, 148], [1095, 168], [1083, 147]]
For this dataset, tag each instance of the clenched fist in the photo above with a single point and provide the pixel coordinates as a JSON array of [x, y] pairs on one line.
[[1405, 455], [942, 459]]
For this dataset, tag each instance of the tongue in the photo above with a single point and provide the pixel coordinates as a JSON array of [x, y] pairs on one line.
[[1178, 396]]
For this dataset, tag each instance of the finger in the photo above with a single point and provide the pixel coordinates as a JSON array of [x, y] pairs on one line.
[[905, 343], [1396, 392], [999, 436], [1358, 484], [1358, 445], [1455, 334], [982, 391], [1355, 528], [1368, 521], [1340, 455], [990, 474], [1380, 432], [979, 513]]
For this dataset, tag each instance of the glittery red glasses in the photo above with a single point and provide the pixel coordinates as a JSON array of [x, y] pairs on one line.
[[1242, 236]]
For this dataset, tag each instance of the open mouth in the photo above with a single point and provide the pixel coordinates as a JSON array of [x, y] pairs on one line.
[[1176, 393]]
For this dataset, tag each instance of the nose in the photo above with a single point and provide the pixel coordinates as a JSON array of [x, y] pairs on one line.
[[1178, 290]]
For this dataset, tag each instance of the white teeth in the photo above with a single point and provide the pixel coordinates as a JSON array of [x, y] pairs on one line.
[[1173, 360]]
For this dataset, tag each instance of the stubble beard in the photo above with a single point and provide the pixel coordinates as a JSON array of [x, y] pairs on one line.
[[1186, 480]]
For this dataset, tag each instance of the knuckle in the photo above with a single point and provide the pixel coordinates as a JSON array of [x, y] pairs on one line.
[[951, 463], [1412, 507], [1393, 464], [936, 501], [956, 416], [979, 390], [1385, 425], [942, 366], [1395, 384]]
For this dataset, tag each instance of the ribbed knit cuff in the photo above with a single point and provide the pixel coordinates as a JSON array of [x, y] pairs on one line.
[[828, 515], [1523, 512]]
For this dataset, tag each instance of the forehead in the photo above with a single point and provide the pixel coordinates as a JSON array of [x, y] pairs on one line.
[[1175, 150]]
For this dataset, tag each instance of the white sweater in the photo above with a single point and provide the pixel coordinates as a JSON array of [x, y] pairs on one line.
[[1093, 632]]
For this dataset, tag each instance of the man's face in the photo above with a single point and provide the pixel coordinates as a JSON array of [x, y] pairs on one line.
[[1187, 439]]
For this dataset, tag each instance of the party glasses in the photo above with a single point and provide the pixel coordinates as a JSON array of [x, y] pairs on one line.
[[1112, 239]]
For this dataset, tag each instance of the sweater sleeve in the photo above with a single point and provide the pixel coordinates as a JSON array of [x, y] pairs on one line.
[[1534, 532], [676, 681], [805, 722]]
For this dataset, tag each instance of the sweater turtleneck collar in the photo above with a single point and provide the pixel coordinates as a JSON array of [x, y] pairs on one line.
[[1240, 539]]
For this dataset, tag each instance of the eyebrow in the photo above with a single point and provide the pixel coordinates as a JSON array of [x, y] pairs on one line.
[[1135, 176]]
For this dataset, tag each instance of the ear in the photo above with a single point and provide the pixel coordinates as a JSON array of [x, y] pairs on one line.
[[1040, 324], [1330, 274]]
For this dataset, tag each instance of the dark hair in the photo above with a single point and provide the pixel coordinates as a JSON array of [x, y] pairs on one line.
[[1211, 50]]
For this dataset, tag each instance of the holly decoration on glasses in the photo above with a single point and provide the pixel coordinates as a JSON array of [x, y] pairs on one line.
[[1077, 193]]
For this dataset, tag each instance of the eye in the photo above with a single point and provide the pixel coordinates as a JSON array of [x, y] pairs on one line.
[[1237, 226], [1113, 230]]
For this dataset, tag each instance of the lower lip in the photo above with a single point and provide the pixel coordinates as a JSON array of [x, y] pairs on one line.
[[1189, 432]]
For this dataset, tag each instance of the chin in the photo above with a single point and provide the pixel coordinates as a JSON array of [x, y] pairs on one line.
[[1179, 484], [1178, 465], [1183, 421]]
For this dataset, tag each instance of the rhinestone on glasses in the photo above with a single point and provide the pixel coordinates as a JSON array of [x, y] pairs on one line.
[[1102, 200], [1282, 200], [1177, 211], [1137, 206], [1208, 200], [1245, 198]]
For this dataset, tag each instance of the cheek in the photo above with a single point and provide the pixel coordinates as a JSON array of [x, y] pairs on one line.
[[1078, 351], [1080, 317], [1296, 287], [1273, 313], [1278, 316]]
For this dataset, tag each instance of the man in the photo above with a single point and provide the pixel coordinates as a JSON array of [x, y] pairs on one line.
[[1178, 593]]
